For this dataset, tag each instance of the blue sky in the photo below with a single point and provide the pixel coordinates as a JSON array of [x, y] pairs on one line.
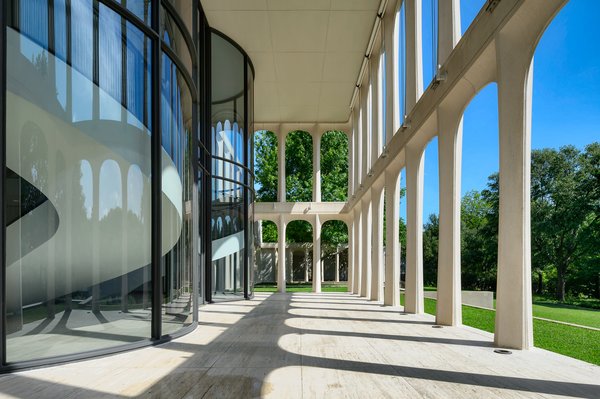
[[566, 96]]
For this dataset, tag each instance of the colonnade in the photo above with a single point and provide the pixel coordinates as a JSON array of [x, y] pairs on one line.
[[499, 48]]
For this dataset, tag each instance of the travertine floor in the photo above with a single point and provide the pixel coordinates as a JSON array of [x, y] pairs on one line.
[[314, 346]]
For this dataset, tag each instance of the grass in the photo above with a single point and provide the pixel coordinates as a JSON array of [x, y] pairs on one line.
[[566, 313], [300, 287], [576, 342]]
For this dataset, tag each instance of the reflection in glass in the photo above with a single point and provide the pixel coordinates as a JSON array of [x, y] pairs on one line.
[[177, 185], [78, 169]]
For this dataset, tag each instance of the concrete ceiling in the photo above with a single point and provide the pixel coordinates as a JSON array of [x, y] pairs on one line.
[[307, 53]]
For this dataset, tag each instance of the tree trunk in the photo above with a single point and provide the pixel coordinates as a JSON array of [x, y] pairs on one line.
[[560, 287], [540, 282]]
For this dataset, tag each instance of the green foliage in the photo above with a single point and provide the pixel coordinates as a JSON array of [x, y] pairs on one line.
[[265, 147], [431, 234], [298, 167], [299, 231], [334, 166], [564, 211], [334, 232], [269, 231]]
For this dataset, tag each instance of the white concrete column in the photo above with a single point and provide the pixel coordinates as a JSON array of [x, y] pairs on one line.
[[305, 265], [514, 323], [391, 82], [281, 166], [448, 28], [364, 128], [316, 277], [351, 251], [374, 123], [449, 310], [358, 239], [414, 53], [414, 300], [281, 255], [337, 264], [357, 144], [377, 263], [392, 239], [367, 228], [316, 166], [351, 163]]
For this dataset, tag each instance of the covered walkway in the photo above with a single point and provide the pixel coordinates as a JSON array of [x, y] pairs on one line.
[[314, 345]]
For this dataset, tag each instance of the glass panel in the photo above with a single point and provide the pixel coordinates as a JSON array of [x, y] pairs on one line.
[[78, 180], [184, 9], [173, 36], [177, 187], [141, 8], [228, 150]]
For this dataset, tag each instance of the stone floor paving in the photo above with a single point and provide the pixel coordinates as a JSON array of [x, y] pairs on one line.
[[314, 346]]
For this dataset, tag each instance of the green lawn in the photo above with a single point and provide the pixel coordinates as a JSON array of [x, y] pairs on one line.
[[567, 313], [301, 287], [580, 343]]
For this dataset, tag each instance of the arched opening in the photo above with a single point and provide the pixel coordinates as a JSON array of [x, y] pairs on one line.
[[334, 166], [265, 166], [299, 241], [334, 254], [299, 166], [400, 66], [265, 267], [468, 12], [429, 26]]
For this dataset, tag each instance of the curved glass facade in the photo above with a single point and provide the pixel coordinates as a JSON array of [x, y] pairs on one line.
[[232, 186], [107, 155]]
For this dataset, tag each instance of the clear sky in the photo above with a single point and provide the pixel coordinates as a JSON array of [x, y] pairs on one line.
[[566, 96]]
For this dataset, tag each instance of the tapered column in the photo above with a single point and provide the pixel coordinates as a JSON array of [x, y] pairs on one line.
[[316, 278], [449, 310], [281, 255], [514, 324], [377, 265], [449, 28], [316, 167], [414, 301], [359, 249], [281, 166], [392, 240], [367, 228], [414, 53]]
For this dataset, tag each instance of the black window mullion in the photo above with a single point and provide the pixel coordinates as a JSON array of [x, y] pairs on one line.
[[156, 167], [3, 20]]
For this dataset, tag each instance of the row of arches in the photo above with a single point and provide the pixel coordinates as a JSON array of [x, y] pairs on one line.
[[315, 166]]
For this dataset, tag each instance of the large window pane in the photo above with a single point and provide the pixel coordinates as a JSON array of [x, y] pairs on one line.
[[78, 174]]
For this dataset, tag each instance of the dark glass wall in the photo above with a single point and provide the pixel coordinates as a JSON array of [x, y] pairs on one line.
[[100, 187], [123, 168], [231, 194]]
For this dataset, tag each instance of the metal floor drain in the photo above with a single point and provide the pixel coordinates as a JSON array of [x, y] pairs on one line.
[[437, 326], [503, 351]]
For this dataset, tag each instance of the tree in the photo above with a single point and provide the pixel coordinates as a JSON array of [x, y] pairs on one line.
[[334, 166], [265, 147], [298, 167], [431, 234], [564, 205]]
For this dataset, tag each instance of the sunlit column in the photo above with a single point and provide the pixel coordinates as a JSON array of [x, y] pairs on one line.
[[316, 166], [364, 129], [448, 27], [351, 252], [281, 166], [359, 248], [414, 53], [316, 278], [337, 264], [377, 266], [514, 323], [392, 239], [367, 228], [414, 301], [350, 164], [281, 255], [448, 309], [374, 105]]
